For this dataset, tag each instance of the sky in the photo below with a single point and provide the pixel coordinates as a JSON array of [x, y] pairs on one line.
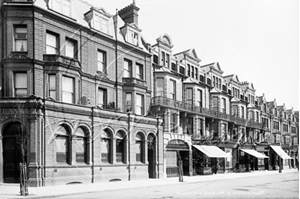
[[258, 40]]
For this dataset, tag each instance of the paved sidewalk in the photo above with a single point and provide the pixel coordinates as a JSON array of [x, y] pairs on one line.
[[12, 190]]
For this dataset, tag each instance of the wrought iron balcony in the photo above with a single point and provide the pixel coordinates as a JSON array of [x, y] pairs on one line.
[[163, 101], [60, 59], [254, 124], [134, 81], [189, 107], [238, 120]]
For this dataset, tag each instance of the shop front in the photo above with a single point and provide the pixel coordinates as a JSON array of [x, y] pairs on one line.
[[207, 159], [263, 148], [231, 161], [177, 150], [279, 157], [245, 160], [256, 159]]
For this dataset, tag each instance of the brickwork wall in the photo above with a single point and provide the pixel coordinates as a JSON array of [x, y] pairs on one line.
[[89, 42]]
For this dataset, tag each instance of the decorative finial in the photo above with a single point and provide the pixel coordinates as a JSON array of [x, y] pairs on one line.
[[133, 2]]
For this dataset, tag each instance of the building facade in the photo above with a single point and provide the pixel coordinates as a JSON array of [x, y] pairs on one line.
[[96, 102], [201, 107], [79, 76]]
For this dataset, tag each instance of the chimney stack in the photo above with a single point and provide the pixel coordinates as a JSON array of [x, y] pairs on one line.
[[130, 13]]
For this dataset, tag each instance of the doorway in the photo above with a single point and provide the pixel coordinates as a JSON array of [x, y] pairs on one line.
[[151, 156], [11, 153]]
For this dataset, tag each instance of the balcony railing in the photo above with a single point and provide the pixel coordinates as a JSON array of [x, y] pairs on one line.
[[254, 124], [60, 59], [132, 80], [189, 107]]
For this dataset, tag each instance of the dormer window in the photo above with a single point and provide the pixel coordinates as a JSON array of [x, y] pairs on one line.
[[98, 19], [132, 37], [131, 34], [62, 6], [101, 23]]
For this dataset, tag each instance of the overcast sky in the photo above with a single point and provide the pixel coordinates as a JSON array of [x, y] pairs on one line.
[[256, 39]]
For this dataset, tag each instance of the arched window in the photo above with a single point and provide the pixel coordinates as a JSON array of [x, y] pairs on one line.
[[120, 146], [82, 146], [139, 147], [63, 145], [106, 146]]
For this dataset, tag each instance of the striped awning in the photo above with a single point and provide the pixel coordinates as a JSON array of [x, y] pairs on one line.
[[212, 151], [254, 153], [280, 152]]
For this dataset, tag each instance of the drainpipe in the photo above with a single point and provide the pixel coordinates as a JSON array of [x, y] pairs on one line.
[[44, 144], [33, 68], [157, 135], [116, 55], [93, 169], [129, 170]]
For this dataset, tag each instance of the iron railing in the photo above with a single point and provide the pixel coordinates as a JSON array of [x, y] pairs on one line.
[[189, 107]]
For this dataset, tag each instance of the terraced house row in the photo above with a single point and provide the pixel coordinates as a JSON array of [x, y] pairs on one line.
[[96, 102]]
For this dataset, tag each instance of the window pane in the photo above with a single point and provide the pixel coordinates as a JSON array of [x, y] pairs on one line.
[[139, 104], [68, 89], [102, 97], [70, 48], [138, 151], [21, 45], [51, 40], [20, 37], [215, 103], [139, 71], [51, 44], [127, 68], [21, 80], [61, 148], [128, 101], [120, 150], [159, 86], [105, 154], [102, 61], [80, 152], [67, 97], [52, 82], [68, 84]]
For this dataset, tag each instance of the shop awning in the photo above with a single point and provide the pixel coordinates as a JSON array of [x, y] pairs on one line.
[[254, 153], [280, 152], [212, 151]]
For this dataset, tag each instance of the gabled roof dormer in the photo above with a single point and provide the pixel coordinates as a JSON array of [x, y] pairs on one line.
[[98, 19], [190, 55], [131, 34], [165, 42]]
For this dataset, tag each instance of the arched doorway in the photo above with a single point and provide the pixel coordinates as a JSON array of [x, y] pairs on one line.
[[11, 153], [151, 155]]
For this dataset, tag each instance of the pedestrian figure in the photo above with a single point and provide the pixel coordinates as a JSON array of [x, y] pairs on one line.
[[180, 169]]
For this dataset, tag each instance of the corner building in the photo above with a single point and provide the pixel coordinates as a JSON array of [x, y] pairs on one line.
[[78, 75]]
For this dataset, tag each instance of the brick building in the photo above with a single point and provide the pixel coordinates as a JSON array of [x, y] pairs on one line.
[[78, 74]]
